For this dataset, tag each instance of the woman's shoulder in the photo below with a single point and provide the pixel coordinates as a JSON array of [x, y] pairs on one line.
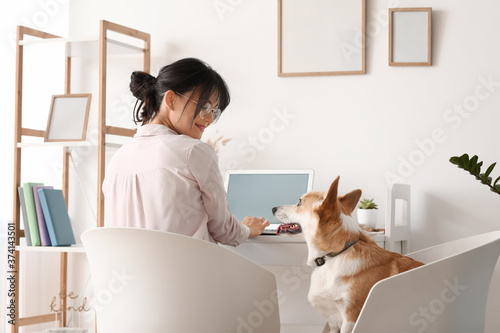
[[203, 161], [203, 150]]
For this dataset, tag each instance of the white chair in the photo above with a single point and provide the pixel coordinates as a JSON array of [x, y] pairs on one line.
[[448, 294], [153, 281]]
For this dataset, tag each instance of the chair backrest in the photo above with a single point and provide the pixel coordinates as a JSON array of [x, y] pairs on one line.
[[154, 281], [398, 222], [448, 294], [440, 251]]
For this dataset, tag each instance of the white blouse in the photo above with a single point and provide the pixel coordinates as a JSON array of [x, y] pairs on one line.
[[165, 181]]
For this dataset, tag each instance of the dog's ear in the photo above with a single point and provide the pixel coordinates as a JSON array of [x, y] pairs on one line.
[[350, 200], [331, 197]]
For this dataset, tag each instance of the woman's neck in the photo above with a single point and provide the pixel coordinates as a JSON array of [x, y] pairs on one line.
[[159, 119]]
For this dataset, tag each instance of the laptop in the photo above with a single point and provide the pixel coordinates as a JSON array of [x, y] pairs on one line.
[[256, 192]]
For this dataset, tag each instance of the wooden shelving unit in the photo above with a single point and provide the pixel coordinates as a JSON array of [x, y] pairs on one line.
[[101, 48], [62, 249]]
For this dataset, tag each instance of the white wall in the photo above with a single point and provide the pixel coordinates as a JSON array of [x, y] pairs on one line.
[[365, 128]]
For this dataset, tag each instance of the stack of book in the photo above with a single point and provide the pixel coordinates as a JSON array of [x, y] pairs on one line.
[[45, 216]]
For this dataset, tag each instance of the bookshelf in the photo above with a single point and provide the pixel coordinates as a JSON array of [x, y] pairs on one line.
[[57, 249], [55, 144], [101, 48]]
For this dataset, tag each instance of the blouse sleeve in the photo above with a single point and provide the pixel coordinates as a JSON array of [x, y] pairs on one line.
[[222, 225]]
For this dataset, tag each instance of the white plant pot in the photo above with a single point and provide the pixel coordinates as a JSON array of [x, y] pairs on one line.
[[368, 217]]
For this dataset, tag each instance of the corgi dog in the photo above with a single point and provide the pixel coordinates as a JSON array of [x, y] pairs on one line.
[[348, 262]]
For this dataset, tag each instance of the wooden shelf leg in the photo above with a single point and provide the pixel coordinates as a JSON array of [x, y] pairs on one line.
[[63, 283]]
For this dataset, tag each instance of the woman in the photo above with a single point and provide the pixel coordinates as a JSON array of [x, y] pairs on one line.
[[166, 178]]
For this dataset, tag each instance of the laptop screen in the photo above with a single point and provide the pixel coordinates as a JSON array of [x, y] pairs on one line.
[[256, 192]]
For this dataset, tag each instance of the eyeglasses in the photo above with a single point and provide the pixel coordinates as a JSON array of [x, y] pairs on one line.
[[206, 109]]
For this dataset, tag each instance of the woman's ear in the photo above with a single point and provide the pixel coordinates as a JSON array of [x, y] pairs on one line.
[[169, 98]]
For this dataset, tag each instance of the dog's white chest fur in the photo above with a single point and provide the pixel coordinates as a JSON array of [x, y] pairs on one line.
[[329, 293]]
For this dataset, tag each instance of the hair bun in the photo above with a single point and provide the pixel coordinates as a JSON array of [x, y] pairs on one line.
[[141, 83]]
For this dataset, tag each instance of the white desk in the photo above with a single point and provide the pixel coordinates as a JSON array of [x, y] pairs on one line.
[[285, 256], [282, 250]]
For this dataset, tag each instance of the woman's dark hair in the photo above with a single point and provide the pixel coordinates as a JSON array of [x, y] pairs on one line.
[[181, 76]]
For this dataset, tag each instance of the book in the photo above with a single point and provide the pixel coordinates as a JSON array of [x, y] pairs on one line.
[[42, 226], [29, 201], [24, 215], [56, 217]]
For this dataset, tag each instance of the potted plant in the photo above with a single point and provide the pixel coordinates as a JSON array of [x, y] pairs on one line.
[[367, 213], [474, 167]]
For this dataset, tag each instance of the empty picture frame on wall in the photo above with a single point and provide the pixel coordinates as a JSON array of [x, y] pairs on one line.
[[410, 36], [68, 117], [321, 37]]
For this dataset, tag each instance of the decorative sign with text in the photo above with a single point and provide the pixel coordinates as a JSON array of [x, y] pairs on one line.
[[62, 309]]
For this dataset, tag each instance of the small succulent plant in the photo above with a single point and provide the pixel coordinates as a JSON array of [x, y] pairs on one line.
[[474, 167], [367, 204]]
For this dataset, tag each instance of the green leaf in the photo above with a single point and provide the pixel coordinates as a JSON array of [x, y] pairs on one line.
[[475, 170], [496, 181], [367, 204], [472, 163], [454, 160], [495, 189], [463, 160], [490, 169], [485, 180]]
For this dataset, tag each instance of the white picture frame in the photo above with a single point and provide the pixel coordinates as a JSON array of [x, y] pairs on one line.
[[68, 118], [321, 37], [410, 36]]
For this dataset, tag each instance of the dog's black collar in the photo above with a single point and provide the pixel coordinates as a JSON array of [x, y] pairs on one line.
[[320, 261]]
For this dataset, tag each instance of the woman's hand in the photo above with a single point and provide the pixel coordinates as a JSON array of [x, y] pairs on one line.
[[256, 225]]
